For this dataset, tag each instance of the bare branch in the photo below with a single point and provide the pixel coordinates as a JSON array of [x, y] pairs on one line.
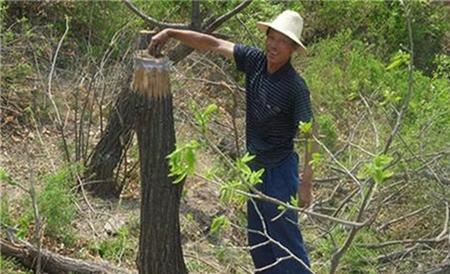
[[181, 51], [262, 196], [59, 122], [349, 173], [406, 241], [249, 33], [397, 255], [445, 229], [372, 120], [151, 20], [220, 20], [385, 225], [410, 82]]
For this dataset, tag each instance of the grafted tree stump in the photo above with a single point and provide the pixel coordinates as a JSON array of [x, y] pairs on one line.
[[160, 242], [118, 133]]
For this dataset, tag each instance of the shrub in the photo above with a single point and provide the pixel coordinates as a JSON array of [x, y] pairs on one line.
[[56, 205]]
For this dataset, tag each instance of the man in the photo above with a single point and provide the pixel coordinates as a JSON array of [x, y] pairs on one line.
[[277, 100]]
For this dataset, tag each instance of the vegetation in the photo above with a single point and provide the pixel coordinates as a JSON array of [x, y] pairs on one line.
[[380, 98]]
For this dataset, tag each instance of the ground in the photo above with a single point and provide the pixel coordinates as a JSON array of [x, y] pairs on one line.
[[27, 156]]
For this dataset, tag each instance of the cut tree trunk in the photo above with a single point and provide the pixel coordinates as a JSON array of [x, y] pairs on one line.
[[160, 241], [109, 151], [54, 263]]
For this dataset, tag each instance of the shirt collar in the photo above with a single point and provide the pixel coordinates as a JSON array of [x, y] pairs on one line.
[[282, 71]]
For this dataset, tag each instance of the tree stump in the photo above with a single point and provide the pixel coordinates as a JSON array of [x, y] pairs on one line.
[[160, 242], [109, 151]]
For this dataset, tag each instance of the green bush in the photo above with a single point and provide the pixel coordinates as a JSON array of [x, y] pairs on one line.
[[56, 205], [339, 70], [383, 25]]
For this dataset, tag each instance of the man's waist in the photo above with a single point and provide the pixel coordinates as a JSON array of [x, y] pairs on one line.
[[269, 159]]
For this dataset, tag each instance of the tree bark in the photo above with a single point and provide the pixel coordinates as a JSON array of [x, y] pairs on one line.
[[160, 241], [54, 263]]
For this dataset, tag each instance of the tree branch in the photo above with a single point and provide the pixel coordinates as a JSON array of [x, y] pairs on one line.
[[220, 20], [151, 20], [181, 51]]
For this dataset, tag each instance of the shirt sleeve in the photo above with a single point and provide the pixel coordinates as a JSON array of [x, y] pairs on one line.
[[302, 104], [245, 57]]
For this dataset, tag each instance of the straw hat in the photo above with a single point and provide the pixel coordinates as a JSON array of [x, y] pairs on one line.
[[289, 23]]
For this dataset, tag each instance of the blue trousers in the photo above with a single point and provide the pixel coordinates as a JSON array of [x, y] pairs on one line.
[[280, 182]]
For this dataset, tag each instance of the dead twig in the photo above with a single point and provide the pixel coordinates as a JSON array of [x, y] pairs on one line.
[[397, 255], [386, 224], [59, 122]]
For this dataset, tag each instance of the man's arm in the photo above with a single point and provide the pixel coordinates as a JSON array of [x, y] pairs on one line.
[[192, 39], [305, 189]]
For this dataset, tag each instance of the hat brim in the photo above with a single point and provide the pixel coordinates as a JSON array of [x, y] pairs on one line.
[[263, 26]]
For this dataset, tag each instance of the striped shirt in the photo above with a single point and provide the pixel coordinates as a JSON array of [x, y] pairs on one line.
[[276, 103]]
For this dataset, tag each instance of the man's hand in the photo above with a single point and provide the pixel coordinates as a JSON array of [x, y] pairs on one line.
[[305, 190], [158, 41]]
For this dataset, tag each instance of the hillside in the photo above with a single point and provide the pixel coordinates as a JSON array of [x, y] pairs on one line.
[[379, 77]]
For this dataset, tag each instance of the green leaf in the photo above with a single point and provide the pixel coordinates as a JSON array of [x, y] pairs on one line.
[[210, 109], [316, 159], [4, 176], [182, 160], [401, 58], [281, 207], [255, 177], [202, 117], [377, 169], [305, 128], [294, 200], [219, 224], [247, 158], [228, 192]]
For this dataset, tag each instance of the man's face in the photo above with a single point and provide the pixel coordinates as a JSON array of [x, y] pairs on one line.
[[279, 47]]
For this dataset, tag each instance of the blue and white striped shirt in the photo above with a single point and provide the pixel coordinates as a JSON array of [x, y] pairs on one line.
[[276, 103]]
